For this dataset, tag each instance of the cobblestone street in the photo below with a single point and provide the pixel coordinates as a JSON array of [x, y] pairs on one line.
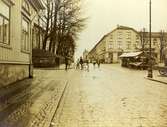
[[112, 97], [83, 63], [32, 102], [109, 96]]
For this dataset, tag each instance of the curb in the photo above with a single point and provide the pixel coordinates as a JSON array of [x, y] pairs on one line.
[[54, 111], [163, 82]]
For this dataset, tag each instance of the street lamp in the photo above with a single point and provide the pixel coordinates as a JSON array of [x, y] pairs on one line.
[[150, 70]]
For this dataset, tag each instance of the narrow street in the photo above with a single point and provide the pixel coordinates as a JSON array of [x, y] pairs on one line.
[[109, 96], [112, 97]]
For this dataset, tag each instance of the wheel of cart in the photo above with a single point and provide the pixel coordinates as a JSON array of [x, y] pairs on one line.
[[163, 71]]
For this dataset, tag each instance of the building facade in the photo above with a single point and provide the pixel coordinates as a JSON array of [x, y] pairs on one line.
[[159, 43], [16, 21], [85, 54], [122, 39], [125, 39], [99, 50]]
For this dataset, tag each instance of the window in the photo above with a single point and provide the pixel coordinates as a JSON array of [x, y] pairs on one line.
[[25, 6], [135, 46], [119, 45], [4, 23], [154, 41], [25, 35], [111, 37], [128, 46], [128, 42], [137, 37]]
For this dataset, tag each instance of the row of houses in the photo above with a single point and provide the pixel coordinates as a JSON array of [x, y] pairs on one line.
[[21, 29], [125, 39]]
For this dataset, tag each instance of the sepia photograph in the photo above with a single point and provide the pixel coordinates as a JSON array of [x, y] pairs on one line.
[[83, 63]]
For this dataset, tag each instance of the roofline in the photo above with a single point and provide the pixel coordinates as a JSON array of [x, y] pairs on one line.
[[118, 27], [98, 43], [121, 27]]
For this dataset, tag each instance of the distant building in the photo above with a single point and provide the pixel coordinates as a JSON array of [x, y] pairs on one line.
[[124, 39], [85, 54], [16, 22], [158, 41], [98, 51]]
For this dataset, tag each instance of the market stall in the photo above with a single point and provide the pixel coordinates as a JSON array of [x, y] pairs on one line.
[[136, 60]]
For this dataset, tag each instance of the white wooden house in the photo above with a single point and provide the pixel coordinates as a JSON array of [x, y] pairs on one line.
[[16, 22]]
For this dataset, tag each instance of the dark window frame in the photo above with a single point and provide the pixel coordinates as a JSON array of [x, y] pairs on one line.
[[7, 19]]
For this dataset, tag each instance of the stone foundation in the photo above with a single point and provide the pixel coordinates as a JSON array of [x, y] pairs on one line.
[[10, 73]]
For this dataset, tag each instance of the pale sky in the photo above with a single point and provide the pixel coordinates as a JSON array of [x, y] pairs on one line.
[[104, 15]]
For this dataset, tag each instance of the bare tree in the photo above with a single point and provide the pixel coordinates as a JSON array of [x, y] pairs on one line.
[[162, 44], [70, 25], [64, 22], [143, 37], [48, 17]]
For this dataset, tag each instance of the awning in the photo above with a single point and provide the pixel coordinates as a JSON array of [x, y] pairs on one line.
[[130, 54]]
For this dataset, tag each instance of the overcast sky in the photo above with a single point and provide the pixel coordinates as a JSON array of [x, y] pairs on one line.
[[104, 15]]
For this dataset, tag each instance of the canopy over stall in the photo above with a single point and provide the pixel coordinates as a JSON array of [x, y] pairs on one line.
[[130, 54]]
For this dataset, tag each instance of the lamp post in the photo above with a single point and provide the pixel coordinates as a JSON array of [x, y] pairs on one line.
[[150, 71]]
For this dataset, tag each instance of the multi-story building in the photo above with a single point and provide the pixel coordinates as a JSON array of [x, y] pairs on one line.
[[16, 22], [126, 39], [98, 51], [158, 43], [122, 39]]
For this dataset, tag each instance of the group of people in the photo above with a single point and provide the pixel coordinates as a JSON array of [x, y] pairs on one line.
[[81, 64], [96, 62], [84, 64]]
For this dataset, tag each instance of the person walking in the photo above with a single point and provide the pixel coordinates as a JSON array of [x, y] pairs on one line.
[[77, 63], [81, 63], [98, 63], [66, 63], [87, 64], [94, 63]]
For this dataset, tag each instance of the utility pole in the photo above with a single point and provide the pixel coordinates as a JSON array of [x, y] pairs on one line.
[[150, 71]]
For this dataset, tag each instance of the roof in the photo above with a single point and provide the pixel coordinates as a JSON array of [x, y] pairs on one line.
[[120, 27], [98, 44], [155, 34], [130, 54]]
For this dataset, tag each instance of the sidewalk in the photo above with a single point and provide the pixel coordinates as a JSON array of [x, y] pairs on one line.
[[33, 102], [60, 67], [158, 78]]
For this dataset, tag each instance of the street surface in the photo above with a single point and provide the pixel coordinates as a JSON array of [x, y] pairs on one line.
[[109, 96], [112, 97], [32, 102]]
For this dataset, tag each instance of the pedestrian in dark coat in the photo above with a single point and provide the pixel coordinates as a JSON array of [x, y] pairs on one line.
[[98, 63], [66, 63], [81, 63]]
